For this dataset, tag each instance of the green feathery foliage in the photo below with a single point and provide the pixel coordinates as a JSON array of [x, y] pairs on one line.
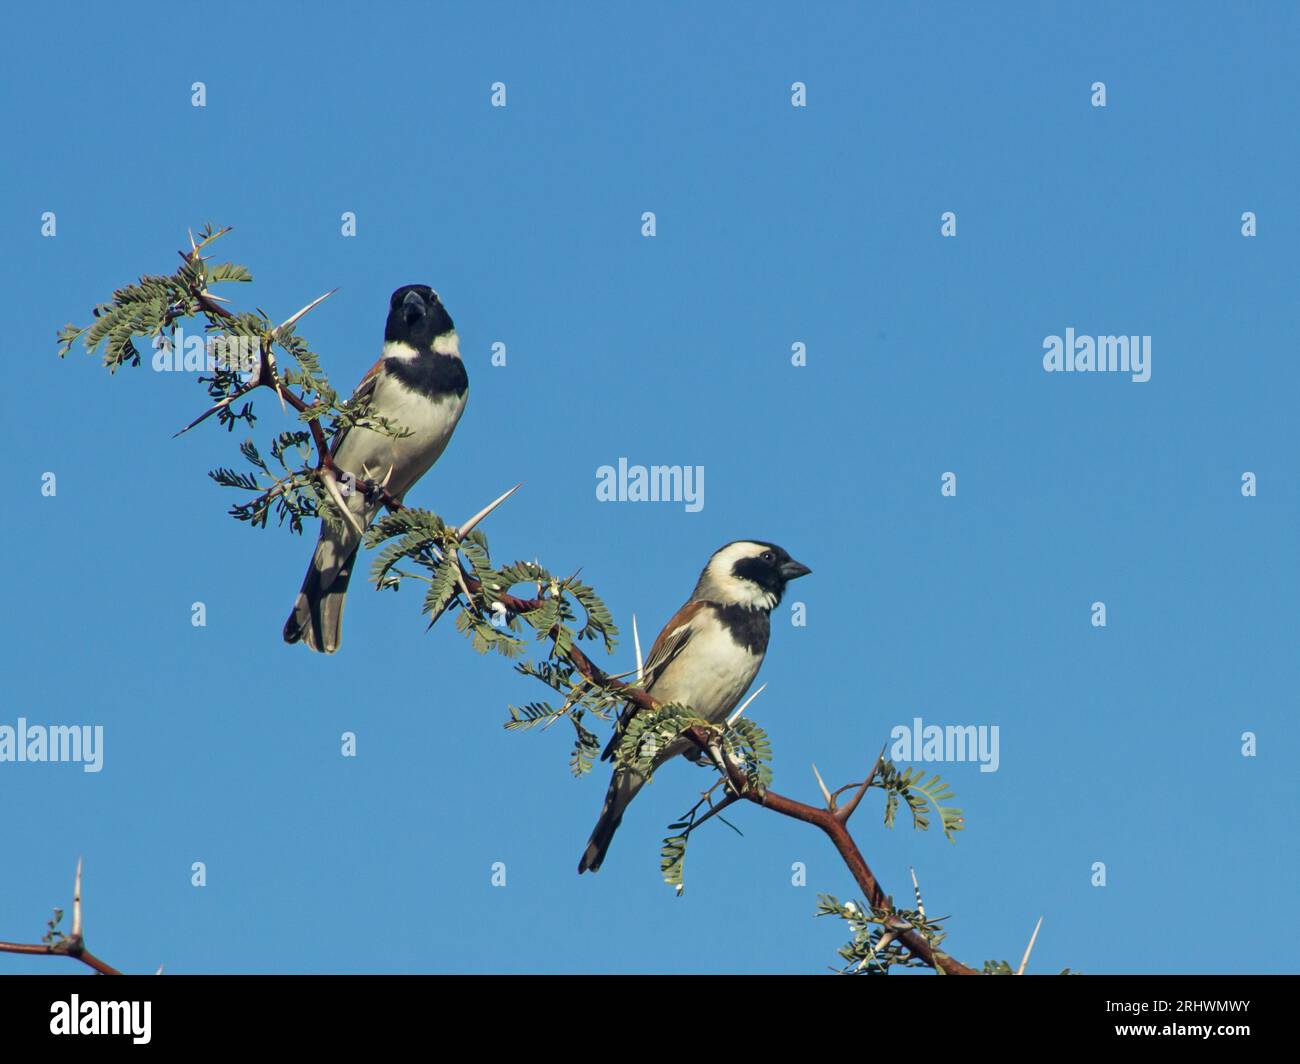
[[874, 947], [229, 354], [461, 579], [920, 794]]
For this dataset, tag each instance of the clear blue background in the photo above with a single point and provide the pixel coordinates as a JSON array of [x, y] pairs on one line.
[[775, 225]]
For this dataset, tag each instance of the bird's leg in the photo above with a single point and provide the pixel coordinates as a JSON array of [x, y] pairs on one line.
[[377, 491]]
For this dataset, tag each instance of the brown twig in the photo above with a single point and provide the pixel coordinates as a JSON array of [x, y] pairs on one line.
[[849, 809], [727, 799], [266, 377], [74, 945], [834, 824]]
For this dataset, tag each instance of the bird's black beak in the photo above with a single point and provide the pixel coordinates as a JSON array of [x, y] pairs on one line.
[[792, 570], [413, 307]]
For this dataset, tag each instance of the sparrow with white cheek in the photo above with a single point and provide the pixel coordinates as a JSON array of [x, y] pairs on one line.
[[705, 658], [420, 385]]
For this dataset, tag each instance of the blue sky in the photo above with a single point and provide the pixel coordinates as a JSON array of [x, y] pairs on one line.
[[775, 225]]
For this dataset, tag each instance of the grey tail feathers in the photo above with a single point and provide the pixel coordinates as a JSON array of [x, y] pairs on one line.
[[622, 789], [317, 617], [620, 726]]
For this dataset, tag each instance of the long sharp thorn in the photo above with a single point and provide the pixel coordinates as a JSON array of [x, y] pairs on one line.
[[212, 410], [460, 579], [469, 525], [76, 903], [618, 675], [310, 306], [332, 487], [1024, 963], [745, 705], [830, 802], [636, 643]]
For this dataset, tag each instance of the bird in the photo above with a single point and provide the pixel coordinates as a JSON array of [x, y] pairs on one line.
[[706, 657], [420, 385]]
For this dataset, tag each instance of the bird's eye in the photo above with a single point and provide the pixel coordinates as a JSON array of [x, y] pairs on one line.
[[768, 556]]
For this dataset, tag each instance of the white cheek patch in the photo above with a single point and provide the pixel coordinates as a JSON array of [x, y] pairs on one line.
[[400, 349], [747, 593], [446, 344], [732, 589]]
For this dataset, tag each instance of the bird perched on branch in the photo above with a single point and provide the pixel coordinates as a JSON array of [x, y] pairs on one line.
[[420, 385], [705, 658]]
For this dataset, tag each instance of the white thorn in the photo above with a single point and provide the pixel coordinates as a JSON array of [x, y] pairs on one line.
[[745, 705], [266, 362], [333, 490], [314, 303], [469, 525], [636, 643], [76, 903], [209, 412], [920, 906], [1024, 963], [620, 675], [159, 971], [460, 579], [370, 476], [830, 804]]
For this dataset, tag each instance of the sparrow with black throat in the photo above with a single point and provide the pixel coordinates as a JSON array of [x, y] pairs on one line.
[[420, 385], [706, 657]]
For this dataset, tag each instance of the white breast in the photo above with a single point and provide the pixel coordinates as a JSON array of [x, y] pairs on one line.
[[711, 674], [367, 453]]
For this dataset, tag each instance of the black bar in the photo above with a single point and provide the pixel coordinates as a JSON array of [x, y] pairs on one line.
[[486, 1015]]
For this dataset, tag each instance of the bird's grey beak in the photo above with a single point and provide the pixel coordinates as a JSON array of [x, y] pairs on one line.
[[792, 570], [413, 306]]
